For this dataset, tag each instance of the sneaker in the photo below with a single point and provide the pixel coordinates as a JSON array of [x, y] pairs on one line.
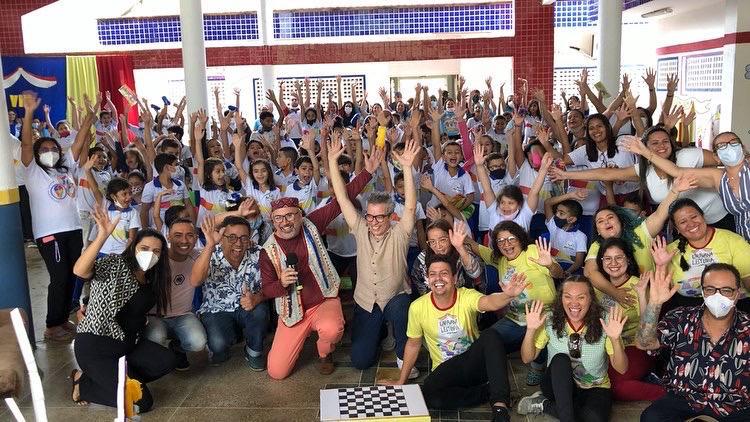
[[500, 414], [533, 377], [389, 342], [326, 366], [413, 374], [256, 363], [532, 405], [181, 360]]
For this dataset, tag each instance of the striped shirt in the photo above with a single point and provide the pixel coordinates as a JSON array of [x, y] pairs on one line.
[[739, 207]]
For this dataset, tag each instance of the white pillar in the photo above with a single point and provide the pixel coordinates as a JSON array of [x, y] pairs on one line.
[[735, 81], [193, 55], [610, 41], [265, 23]]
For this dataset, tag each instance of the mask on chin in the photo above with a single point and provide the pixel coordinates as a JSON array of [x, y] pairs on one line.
[[560, 222]]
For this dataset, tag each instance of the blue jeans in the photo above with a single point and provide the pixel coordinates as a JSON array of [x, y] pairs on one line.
[[223, 328], [512, 336], [366, 328], [187, 329]]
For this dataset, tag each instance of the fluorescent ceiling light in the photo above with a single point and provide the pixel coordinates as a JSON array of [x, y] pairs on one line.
[[658, 12]]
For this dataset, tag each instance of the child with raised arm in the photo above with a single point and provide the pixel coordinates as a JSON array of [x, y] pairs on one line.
[[569, 243]]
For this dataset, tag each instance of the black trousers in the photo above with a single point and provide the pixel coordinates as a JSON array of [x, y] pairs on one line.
[[98, 357], [60, 254], [568, 402], [672, 408], [345, 265], [464, 380], [25, 207]]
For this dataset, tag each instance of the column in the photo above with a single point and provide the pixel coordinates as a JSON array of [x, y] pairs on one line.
[[265, 22], [735, 81], [13, 282], [193, 55], [610, 40]]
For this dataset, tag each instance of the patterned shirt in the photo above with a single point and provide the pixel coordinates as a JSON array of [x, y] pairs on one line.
[[223, 286], [712, 377]]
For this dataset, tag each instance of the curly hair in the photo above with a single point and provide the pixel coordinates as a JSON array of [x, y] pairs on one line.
[[590, 320], [514, 229]]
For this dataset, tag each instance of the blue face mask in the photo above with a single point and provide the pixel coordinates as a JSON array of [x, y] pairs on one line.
[[731, 155], [497, 174]]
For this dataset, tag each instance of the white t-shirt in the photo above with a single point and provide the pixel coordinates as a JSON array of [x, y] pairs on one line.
[[622, 159], [460, 184], [118, 240], [213, 202], [522, 217], [398, 213], [85, 199], [526, 177], [591, 203], [17, 164], [708, 199], [339, 238], [152, 188], [307, 195], [497, 186], [263, 199], [565, 244], [500, 139], [282, 180], [52, 199]]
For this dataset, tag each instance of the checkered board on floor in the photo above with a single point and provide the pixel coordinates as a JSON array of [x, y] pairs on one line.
[[374, 403]]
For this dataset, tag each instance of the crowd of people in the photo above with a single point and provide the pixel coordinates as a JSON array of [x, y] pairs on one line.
[[592, 239]]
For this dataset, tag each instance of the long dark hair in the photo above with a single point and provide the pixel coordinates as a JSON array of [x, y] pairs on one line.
[[591, 320], [159, 277], [628, 223], [681, 240], [616, 242], [644, 163], [59, 165], [444, 226], [208, 179], [592, 153], [269, 174], [514, 229]]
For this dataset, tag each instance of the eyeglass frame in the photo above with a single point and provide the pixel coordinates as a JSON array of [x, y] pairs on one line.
[[720, 290], [502, 240], [245, 239], [377, 218], [725, 145], [619, 259], [440, 241], [289, 217]]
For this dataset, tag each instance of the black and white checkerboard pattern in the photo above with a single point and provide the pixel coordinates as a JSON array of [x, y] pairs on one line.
[[371, 402]]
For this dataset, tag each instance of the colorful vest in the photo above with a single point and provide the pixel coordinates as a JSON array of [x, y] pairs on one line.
[[289, 306]]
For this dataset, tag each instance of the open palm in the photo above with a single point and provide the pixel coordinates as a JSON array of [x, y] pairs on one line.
[[615, 322]]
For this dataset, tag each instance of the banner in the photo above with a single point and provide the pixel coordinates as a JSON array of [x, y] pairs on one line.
[[43, 75]]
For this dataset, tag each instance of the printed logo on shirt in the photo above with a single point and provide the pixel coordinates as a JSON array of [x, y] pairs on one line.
[[179, 279], [62, 188], [452, 339]]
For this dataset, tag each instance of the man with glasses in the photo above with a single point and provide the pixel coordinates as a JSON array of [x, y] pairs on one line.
[[306, 293], [382, 292], [227, 268], [708, 345]]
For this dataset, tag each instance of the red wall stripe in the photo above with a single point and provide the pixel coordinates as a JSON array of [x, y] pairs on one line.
[[734, 38]]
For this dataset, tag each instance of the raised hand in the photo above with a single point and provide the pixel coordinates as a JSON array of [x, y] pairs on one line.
[[30, 102], [615, 322], [579, 194], [641, 288], [426, 183], [685, 182], [672, 81], [407, 157], [308, 142], [516, 285], [539, 95], [372, 161], [335, 149], [518, 120], [661, 288], [542, 133], [435, 115], [556, 112], [660, 253], [625, 82], [104, 225], [271, 96], [248, 208], [479, 157], [650, 77], [633, 144], [458, 234], [546, 161], [557, 174], [687, 119], [545, 253], [623, 112], [213, 236], [535, 315]]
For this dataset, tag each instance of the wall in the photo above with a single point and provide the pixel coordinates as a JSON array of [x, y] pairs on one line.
[[11, 37]]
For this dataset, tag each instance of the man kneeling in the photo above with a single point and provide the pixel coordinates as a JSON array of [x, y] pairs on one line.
[[467, 368]]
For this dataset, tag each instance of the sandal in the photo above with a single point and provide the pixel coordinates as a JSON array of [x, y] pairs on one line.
[[73, 383]]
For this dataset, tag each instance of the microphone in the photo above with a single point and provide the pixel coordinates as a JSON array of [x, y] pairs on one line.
[[291, 261]]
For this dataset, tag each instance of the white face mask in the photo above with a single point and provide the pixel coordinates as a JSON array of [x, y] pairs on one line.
[[49, 158], [146, 259], [435, 105], [718, 304], [450, 109], [347, 109]]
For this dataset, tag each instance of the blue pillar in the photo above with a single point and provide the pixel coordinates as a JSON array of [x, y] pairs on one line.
[[14, 284]]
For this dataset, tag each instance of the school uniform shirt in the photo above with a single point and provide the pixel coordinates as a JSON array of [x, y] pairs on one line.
[[622, 159], [339, 237], [263, 199], [590, 370], [179, 196], [565, 244], [52, 199], [522, 216], [591, 203], [231, 170], [451, 186], [445, 332], [181, 294], [642, 254], [307, 194], [724, 246], [283, 180], [67, 141], [398, 214], [85, 198], [540, 282], [707, 199], [215, 201], [526, 177], [528, 127], [118, 240], [293, 122], [631, 311]]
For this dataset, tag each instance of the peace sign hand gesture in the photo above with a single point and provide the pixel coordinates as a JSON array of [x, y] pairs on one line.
[[615, 322]]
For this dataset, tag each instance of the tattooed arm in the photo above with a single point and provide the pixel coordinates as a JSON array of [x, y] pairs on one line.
[[646, 337], [660, 291]]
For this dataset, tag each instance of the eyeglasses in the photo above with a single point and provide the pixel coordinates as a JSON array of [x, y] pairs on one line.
[[287, 217], [725, 291], [609, 259], [378, 218], [574, 345], [509, 239], [233, 238], [436, 242], [733, 142]]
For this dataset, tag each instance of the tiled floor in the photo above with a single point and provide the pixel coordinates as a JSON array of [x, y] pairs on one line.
[[232, 392]]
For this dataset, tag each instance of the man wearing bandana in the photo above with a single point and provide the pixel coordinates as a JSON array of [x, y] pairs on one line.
[[306, 294]]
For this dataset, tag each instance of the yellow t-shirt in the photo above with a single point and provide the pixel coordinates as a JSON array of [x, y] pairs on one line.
[[590, 370], [642, 254], [632, 312], [446, 332], [541, 287], [725, 246]]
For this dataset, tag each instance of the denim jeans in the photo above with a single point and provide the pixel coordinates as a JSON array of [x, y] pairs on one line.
[[187, 329], [512, 336], [222, 329], [366, 328]]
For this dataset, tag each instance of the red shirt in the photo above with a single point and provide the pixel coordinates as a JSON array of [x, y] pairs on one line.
[[321, 217]]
